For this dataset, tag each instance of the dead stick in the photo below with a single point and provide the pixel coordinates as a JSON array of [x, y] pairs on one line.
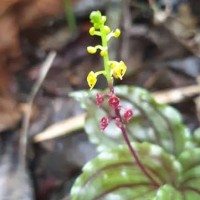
[[176, 95], [61, 128], [43, 72]]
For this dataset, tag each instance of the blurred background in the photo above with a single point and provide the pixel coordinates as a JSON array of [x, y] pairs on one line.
[[160, 44]]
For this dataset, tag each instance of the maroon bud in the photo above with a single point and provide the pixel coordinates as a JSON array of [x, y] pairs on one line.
[[128, 114], [113, 101], [104, 123], [99, 99], [118, 123]]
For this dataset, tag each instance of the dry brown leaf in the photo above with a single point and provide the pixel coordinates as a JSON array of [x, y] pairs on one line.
[[6, 4], [10, 113], [16, 16], [9, 37], [32, 13]]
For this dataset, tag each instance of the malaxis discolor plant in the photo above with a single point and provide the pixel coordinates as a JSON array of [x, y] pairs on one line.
[[112, 69], [153, 158]]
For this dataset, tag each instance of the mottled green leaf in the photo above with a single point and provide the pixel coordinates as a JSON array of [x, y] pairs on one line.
[[156, 123], [190, 178], [196, 138], [114, 175], [167, 192]]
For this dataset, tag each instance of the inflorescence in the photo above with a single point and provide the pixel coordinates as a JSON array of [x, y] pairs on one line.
[[112, 69]]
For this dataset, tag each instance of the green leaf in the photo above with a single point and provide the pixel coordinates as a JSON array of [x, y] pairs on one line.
[[190, 179], [114, 175], [196, 138], [155, 123], [167, 192]]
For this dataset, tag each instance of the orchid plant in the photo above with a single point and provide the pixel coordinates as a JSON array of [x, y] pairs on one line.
[[112, 69], [150, 156]]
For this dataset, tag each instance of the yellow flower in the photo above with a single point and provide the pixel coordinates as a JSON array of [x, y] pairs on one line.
[[107, 29], [118, 69], [117, 33], [92, 31], [91, 50], [103, 53], [91, 79]]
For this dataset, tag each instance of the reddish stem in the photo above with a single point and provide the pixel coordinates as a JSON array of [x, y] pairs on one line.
[[133, 152], [131, 149]]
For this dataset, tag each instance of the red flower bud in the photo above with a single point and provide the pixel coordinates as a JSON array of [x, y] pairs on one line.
[[99, 99], [128, 114], [104, 123], [113, 101]]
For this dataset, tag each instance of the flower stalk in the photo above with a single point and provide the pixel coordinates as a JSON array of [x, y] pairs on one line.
[[133, 152]]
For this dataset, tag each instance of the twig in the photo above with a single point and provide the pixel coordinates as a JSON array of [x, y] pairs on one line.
[[61, 128], [126, 24], [176, 95], [43, 72]]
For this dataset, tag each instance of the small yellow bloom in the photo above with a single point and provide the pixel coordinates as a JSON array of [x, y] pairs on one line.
[[92, 31], [91, 50], [117, 33], [103, 19], [118, 69], [107, 29], [91, 79], [103, 53], [123, 67]]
